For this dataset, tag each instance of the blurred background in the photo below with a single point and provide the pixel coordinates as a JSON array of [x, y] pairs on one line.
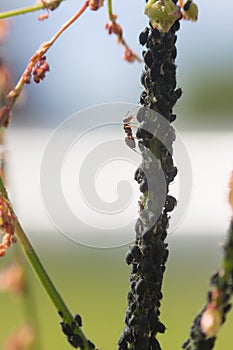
[[86, 69]]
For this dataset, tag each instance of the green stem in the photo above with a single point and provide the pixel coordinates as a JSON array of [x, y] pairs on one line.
[[24, 10], [110, 14], [21, 11], [42, 275]]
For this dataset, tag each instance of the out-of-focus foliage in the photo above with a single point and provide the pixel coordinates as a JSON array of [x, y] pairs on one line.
[[96, 284]]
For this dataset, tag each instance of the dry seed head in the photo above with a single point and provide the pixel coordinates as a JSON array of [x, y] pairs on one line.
[[7, 225]]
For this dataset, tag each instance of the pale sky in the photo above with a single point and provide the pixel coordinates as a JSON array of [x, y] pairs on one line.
[[88, 62]]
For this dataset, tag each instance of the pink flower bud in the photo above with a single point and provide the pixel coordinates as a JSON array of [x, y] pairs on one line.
[[129, 56], [211, 320], [40, 69], [114, 27], [43, 16], [94, 5]]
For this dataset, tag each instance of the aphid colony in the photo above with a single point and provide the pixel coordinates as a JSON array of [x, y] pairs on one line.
[[148, 254], [70, 331]]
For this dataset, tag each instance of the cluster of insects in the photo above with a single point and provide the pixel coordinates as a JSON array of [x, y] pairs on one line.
[[73, 338]]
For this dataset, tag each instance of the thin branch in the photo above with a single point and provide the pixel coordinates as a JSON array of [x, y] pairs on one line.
[[44, 278], [113, 27], [35, 59], [51, 5], [21, 11]]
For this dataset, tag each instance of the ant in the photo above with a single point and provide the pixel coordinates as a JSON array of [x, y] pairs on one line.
[[129, 139]]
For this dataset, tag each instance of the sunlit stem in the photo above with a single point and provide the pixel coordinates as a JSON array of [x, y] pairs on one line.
[[21, 11], [24, 10], [42, 275], [110, 14]]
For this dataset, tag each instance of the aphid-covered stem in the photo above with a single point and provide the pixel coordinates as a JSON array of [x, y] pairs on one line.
[[149, 252]]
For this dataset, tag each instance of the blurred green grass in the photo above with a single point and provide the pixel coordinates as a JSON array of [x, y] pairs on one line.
[[207, 100], [94, 283]]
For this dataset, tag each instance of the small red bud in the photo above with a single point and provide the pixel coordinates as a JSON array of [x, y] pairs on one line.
[[114, 27], [42, 17], [211, 320], [26, 79], [45, 66], [94, 5], [40, 69], [5, 114], [36, 79], [129, 56]]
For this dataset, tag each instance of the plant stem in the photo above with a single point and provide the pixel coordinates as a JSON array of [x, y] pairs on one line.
[[69, 22], [120, 38], [149, 252], [110, 14], [21, 11], [38, 267], [42, 275], [51, 5]]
